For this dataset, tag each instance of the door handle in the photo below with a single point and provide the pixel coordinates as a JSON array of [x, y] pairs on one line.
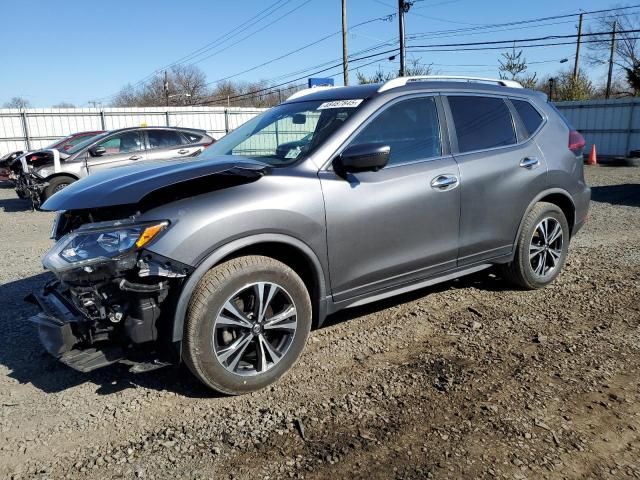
[[529, 162], [135, 157], [444, 182], [183, 151]]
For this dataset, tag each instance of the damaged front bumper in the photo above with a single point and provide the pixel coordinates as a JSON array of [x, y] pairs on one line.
[[112, 301], [86, 343]]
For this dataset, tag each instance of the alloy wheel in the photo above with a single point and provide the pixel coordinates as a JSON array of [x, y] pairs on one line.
[[254, 329], [545, 248]]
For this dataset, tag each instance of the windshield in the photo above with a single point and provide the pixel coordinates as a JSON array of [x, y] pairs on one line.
[[286, 133], [76, 148], [57, 143]]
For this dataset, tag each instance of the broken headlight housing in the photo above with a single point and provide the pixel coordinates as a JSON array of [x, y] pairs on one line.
[[101, 242]]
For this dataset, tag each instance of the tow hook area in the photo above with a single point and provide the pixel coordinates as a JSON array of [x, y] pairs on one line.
[[84, 345]]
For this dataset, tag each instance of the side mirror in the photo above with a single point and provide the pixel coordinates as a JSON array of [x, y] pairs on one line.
[[97, 151], [367, 157], [299, 119]]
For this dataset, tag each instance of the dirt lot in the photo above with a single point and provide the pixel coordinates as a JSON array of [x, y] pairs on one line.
[[468, 379]]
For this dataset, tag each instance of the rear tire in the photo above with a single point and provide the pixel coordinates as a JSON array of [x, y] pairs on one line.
[[247, 323], [55, 185], [542, 248]]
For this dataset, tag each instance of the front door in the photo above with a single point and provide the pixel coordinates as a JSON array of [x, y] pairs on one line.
[[399, 224], [120, 149]]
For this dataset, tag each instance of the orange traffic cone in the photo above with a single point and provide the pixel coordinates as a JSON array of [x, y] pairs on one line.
[[593, 157]]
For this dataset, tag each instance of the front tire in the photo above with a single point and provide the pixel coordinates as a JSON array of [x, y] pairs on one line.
[[247, 323], [541, 249], [55, 185]]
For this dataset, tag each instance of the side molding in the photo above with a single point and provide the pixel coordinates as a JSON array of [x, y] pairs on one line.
[[228, 249]]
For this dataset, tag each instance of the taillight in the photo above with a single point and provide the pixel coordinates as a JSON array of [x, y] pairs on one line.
[[576, 142]]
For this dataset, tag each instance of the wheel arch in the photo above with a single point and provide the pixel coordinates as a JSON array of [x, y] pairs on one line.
[[289, 250], [63, 174], [556, 196]]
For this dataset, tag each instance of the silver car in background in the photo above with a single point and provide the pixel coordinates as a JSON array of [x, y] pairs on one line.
[[55, 169]]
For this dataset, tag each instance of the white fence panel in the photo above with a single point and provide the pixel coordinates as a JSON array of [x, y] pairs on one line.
[[612, 125], [38, 127]]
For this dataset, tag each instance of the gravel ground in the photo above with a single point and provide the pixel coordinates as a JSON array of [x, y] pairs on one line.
[[467, 379]]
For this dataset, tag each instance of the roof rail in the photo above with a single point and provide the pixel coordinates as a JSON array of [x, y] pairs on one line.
[[402, 81], [308, 91]]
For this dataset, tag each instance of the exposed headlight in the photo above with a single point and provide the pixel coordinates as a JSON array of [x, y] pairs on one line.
[[45, 172], [99, 243]]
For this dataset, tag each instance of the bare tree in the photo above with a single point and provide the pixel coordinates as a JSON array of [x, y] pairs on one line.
[[627, 48], [17, 102], [415, 68], [190, 82], [513, 66], [187, 85], [64, 105]]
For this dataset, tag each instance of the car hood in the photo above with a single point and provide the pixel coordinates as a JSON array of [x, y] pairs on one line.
[[130, 184]]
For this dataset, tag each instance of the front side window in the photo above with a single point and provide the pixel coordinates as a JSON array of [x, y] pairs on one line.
[[481, 122], [410, 128], [122, 143], [286, 133], [163, 138]]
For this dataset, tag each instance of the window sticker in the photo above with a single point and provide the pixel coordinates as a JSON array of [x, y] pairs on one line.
[[293, 153], [340, 104]]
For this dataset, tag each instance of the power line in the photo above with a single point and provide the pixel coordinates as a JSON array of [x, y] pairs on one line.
[[519, 22], [292, 52], [261, 15], [519, 46], [517, 40], [252, 33], [218, 99]]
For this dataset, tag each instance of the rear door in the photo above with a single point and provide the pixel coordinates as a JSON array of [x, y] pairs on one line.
[[501, 172], [399, 224], [121, 149], [164, 143]]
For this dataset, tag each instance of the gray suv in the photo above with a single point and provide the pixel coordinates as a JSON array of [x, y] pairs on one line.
[[54, 170], [226, 262]]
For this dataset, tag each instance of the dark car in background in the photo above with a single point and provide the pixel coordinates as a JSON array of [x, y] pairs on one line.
[[51, 171]]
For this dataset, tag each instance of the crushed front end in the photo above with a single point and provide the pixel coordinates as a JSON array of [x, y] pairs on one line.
[[111, 298]]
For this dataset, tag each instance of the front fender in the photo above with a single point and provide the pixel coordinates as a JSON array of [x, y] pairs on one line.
[[228, 249]]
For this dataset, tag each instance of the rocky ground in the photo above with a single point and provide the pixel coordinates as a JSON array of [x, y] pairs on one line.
[[467, 379]]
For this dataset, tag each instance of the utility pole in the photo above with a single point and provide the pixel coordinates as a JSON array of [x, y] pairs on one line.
[[613, 51], [165, 87], [551, 82], [403, 7], [578, 41], [345, 59]]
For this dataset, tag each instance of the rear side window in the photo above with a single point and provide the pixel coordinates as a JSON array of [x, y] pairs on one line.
[[163, 138], [409, 127], [529, 115], [481, 122], [192, 137]]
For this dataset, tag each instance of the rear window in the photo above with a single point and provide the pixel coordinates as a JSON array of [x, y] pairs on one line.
[[529, 115], [481, 122]]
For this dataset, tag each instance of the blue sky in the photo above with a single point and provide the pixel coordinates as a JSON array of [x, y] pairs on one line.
[[75, 51]]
